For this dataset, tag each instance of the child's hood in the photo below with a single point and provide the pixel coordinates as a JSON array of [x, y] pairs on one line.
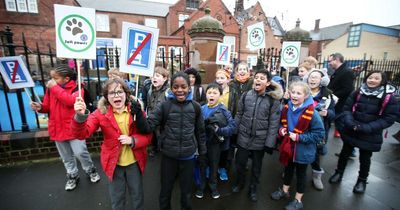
[[275, 90], [171, 95]]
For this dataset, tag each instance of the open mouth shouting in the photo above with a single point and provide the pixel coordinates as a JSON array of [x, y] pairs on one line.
[[180, 96]]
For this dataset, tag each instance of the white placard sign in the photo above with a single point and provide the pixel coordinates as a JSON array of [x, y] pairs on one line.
[[75, 32], [290, 55], [256, 36], [15, 73], [223, 54], [139, 49]]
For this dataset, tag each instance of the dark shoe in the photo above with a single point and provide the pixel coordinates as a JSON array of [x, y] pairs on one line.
[[72, 182], [199, 194], [253, 193], [215, 194], [279, 194], [336, 178], [360, 186], [237, 188], [294, 205]]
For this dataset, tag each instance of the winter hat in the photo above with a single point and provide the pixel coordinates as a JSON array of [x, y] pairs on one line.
[[324, 72]]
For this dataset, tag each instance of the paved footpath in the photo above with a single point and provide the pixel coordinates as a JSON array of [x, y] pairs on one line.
[[41, 186]]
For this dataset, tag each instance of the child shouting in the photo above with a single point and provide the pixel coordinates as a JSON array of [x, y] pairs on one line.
[[219, 127], [123, 152], [301, 129], [257, 123]]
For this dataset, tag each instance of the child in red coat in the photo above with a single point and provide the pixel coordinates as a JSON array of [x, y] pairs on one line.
[[58, 102], [123, 152]]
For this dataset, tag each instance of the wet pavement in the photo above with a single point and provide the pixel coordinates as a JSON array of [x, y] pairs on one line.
[[41, 186]]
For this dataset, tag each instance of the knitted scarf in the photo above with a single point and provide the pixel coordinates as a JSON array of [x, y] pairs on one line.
[[288, 147], [242, 79]]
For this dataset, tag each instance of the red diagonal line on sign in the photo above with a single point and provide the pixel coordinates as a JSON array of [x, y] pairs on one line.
[[148, 37], [223, 53], [15, 72]]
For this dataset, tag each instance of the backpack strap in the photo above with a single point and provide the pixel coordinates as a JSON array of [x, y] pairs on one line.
[[356, 102], [384, 103]]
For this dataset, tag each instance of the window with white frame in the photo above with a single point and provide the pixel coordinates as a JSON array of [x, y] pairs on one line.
[[28, 6], [11, 5], [251, 61], [177, 51], [102, 23], [150, 22], [354, 36], [160, 53], [182, 19], [32, 6], [192, 4]]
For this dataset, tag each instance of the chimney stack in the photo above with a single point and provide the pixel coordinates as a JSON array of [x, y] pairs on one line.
[[316, 27]]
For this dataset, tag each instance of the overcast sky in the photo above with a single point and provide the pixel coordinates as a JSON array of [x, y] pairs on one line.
[[377, 12]]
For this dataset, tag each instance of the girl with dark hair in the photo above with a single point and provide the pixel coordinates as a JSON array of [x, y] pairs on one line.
[[198, 92], [183, 135], [367, 111], [59, 100]]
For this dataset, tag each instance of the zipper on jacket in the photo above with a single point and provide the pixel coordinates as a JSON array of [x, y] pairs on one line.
[[180, 131]]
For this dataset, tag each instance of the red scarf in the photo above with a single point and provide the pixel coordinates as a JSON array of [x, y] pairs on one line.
[[288, 147]]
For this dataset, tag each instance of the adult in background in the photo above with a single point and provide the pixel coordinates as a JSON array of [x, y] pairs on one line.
[[341, 82]]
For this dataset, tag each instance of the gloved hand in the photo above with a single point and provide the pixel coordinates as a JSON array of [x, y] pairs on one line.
[[210, 129], [268, 150], [141, 122], [136, 108], [202, 159]]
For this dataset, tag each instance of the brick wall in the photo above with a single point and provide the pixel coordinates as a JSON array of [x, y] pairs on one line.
[[29, 146]]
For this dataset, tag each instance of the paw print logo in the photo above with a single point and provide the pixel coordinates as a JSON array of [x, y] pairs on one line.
[[74, 26], [255, 35], [290, 52]]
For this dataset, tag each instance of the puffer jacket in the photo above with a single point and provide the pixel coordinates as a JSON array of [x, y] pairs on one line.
[[104, 118], [368, 135], [257, 119], [182, 132], [59, 103]]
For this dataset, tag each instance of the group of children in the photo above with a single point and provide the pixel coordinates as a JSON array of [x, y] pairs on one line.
[[230, 119]]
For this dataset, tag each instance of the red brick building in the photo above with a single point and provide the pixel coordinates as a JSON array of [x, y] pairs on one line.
[[36, 19]]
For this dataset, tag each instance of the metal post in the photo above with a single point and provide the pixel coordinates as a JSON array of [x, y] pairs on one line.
[[40, 67], [51, 56], [98, 77], [116, 56], [163, 57], [172, 61], [11, 48], [106, 60]]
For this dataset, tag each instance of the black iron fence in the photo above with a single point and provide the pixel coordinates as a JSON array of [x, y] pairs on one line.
[[15, 111], [14, 105], [361, 67]]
